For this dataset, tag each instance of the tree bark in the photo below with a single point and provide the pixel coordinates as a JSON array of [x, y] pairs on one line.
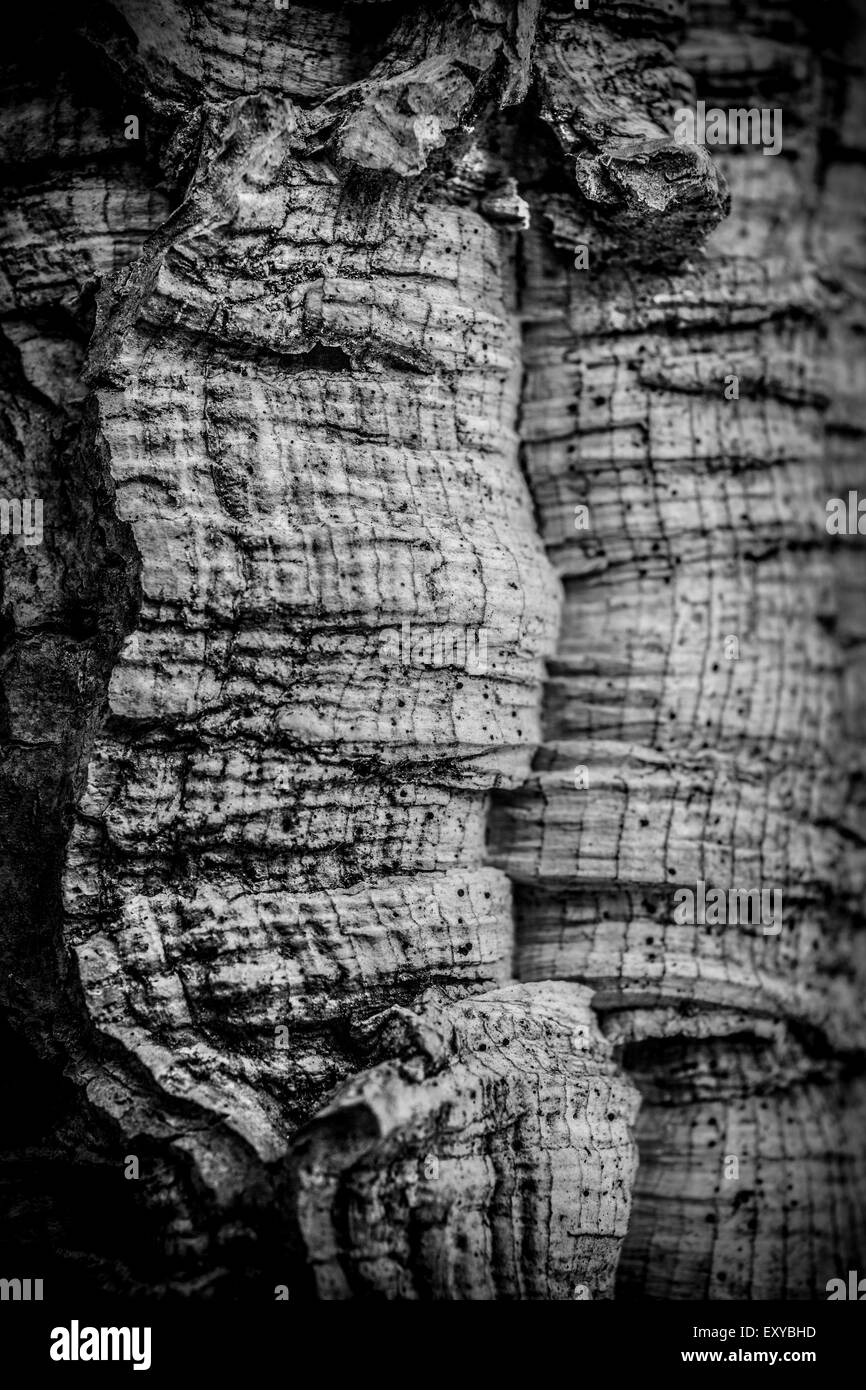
[[294, 689]]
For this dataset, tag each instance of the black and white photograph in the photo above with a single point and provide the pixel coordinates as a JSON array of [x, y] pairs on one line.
[[432, 670]]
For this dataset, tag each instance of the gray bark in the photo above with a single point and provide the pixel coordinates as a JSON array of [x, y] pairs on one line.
[[319, 928]]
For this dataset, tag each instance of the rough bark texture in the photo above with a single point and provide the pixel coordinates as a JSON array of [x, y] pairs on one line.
[[295, 687], [707, 522]]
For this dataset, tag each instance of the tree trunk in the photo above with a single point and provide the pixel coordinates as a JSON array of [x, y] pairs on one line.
[[391, 559]]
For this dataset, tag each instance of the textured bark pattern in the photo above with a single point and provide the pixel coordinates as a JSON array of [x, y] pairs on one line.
[[267, 771], [412, 1182], [273, 684], [707, 521], [304, 398]]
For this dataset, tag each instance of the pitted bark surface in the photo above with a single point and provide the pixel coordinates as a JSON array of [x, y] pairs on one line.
[[311, 392]]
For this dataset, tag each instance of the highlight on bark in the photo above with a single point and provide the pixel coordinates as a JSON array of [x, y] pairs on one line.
[[431, 794]]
